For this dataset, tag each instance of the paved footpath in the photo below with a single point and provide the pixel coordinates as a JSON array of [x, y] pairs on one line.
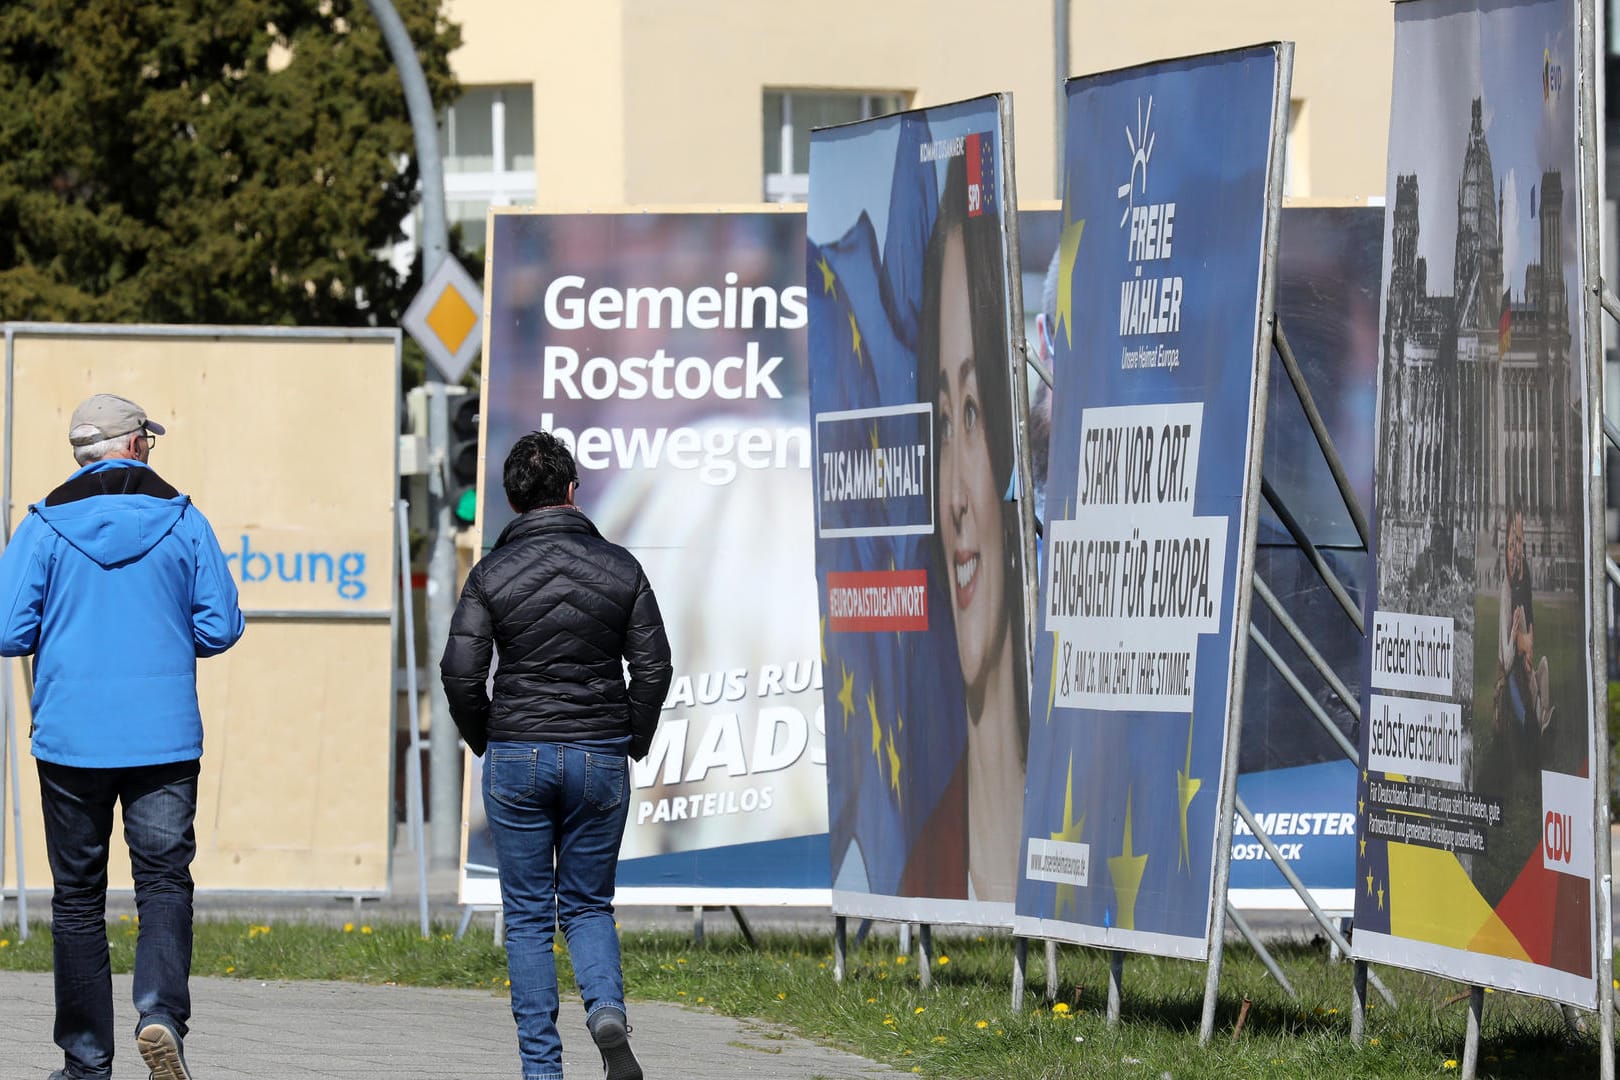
[[247, 1030]]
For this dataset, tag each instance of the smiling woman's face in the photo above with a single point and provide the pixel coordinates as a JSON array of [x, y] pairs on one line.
[[969, 504]]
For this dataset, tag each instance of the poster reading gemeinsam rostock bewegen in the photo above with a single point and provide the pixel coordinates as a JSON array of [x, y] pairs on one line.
[[668, 351]]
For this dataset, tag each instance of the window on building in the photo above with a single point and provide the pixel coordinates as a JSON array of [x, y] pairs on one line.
[[789, 117], [487, 139]]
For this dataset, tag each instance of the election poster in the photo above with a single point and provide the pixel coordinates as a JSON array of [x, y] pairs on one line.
[[1294, 777], [1476, 843], [920, 520], [668, 351], [1171, 191]]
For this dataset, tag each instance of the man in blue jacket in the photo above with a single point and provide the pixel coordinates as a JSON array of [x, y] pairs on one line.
[[116, 585]]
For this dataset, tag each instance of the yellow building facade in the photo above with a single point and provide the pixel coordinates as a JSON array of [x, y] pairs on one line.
[[659, 102]]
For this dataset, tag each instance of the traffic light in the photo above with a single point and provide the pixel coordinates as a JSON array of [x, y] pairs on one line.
[[462, 457]]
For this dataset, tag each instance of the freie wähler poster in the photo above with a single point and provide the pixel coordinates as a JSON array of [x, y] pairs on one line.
[[920, 519], [667, 350], [1170, 196], [1293, 776], [1476, 845]]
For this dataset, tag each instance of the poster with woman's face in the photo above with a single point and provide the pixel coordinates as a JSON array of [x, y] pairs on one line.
[[920, 519]]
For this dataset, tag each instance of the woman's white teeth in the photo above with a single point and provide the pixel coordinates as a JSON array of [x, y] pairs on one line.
[[965, 571]]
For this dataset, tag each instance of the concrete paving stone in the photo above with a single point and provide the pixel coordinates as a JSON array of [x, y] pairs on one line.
[[245, 1029]]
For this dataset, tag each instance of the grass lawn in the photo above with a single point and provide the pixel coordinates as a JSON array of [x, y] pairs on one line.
[[962, 1026]]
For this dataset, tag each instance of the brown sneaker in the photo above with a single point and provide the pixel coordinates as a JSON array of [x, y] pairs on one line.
[[160, 1049]]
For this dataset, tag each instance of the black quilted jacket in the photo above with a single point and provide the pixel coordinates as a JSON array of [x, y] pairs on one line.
[[565, 611]]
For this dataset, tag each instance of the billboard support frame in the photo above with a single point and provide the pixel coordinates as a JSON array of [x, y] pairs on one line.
[[11, 781], [1271, 220], [1291, 365], [413, 771], [1589, 147]]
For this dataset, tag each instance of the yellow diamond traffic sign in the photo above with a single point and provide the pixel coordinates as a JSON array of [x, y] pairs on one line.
[[446, 318], [452, 318]]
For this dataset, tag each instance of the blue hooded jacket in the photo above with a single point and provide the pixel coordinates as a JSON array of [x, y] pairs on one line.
[[116, 584]]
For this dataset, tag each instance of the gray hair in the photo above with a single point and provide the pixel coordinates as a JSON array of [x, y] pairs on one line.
[[95, 451]]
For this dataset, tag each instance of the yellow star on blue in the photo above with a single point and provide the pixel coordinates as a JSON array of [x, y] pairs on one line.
[[877, 729], [855, 340], [1069, 833], [894, 766], [827, 278], [1187, 787], [1068, 251], [1126, 870], [846, 695]]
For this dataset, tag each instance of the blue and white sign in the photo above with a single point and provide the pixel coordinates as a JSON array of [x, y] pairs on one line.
[[1169, 198]]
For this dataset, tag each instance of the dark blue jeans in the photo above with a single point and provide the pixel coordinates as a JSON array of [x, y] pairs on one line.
[[556, 814], [160, 805]]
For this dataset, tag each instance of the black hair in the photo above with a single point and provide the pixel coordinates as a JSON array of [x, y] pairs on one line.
[[538, 471], [987, 311]]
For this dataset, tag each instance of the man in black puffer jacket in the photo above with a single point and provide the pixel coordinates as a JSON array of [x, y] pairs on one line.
[[567, 612]]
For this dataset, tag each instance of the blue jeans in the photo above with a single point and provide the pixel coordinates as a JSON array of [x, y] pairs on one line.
[[556, 814], [160, 805]]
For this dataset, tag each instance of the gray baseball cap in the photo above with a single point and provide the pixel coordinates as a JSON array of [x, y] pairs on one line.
[[107, 416]]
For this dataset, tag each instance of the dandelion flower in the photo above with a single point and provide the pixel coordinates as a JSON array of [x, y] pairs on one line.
[[919, 1010], [781, 995], [680, 959], [1372, 1042], [871, 1001], [888, 1021], [508, 982], [229, 970], [1450, 1063], [982, 1024], [365, 929], [348, 928], [700, 999], [900, 959], [680, 993], [1060, 1009], [5, 943], [125, 918], [939, 1040], [944, 960]]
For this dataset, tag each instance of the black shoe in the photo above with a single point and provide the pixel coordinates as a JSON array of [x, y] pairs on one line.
[[160, 1049], [611, 1034]]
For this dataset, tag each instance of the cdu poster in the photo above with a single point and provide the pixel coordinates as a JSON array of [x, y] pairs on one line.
[[1170, 199], [1476, 843], [668, 351], [920, 523]]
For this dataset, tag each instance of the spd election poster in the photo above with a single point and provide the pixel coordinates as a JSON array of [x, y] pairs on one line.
[[920, 524]]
